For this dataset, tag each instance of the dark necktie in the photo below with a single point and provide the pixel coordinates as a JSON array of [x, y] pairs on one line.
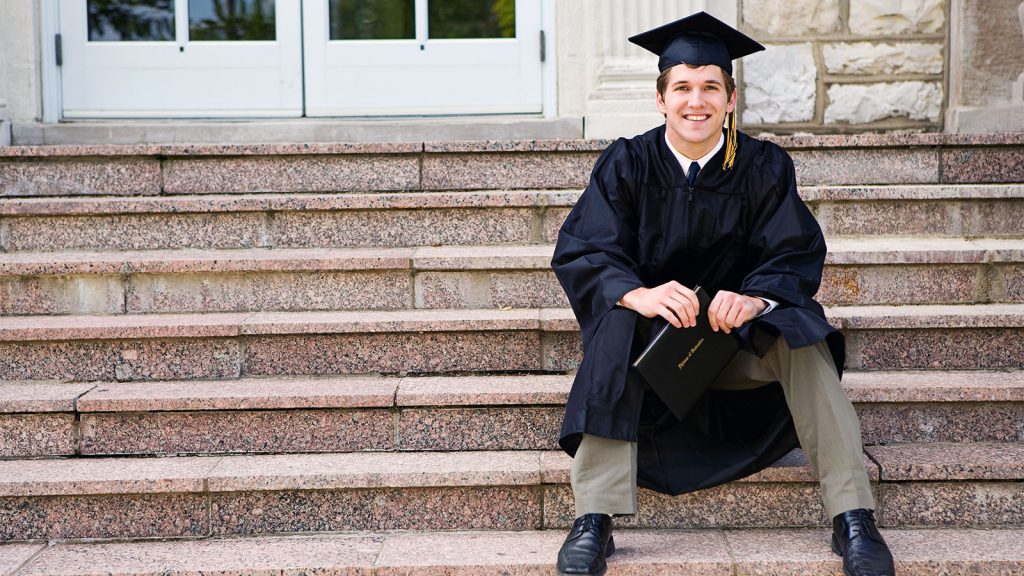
[[691, 176]]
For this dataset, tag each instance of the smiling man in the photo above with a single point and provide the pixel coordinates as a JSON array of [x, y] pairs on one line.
[[693, 203]]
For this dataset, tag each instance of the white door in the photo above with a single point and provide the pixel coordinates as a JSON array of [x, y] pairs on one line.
[[181, 58], [420, 57]]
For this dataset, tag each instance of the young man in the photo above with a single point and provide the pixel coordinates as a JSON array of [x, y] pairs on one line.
[[695, 203]]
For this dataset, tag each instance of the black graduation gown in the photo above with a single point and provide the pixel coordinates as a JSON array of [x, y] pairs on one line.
[[744, 230]]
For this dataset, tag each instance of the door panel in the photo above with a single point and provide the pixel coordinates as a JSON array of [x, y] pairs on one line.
[[181, 58]]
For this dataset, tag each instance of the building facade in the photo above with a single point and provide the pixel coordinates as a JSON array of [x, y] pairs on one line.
[[513, 68]]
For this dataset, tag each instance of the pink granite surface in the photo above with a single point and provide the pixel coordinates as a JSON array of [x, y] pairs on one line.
[[943, 461], [121, 359], [513, 289], [66, 263], [866, 166], [72, 176], [256, 291], [553, 220], [388, 321], [212, 149], [77, 477], [285, 202], [473, 171], [61, 295], [783, 552], [990, 164], [533, 256], [741, 505], [431, 227], [561, 351], [931, 386], [13, 556], [470, 508], [136, 232], [244, 394], [929, 316], [995, 218], [812, 194], [248, 260], [338, 555], [249, 174], [1009, 283], [957, 551], [391, 353], [559, 145], [235, 431], [41, 328], [493, 428], [40, 396], [942, 421], [921, 284], [32, 435], [953, 349], [891, 218], [468, 553], [483, 390], [952, 504], [374, 470], [120, 516]]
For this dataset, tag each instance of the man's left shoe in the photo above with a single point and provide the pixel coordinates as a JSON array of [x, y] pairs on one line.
[[857, 540]]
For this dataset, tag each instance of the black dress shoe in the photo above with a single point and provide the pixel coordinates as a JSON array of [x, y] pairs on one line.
[[587, 545], [857, 540]]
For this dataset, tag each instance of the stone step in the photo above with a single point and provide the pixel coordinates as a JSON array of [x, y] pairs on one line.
[[918, 552], [291, 220], [229, 345], [915, 484], [340, 414], [858, 271], [508, 164]]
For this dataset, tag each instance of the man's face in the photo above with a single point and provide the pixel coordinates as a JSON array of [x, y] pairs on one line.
[[695, 104]]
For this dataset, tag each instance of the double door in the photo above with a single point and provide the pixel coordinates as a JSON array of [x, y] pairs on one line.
[[289, 58]]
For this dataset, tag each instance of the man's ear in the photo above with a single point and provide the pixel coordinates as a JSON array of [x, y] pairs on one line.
[[660, 102], [731, 107]]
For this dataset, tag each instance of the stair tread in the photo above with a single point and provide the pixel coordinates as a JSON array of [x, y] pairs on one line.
[[848, 251], [708, 551], [356, 470], [296, 392], [230, 324]]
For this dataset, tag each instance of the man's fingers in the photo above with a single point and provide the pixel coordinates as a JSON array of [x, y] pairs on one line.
[[668, 314]]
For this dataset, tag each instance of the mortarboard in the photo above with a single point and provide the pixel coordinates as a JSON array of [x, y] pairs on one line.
[[698, 39]]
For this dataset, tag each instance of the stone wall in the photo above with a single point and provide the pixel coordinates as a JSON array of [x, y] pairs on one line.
[[844, 65]]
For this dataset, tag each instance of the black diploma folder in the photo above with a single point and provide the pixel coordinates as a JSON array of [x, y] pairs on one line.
[[680, 364]]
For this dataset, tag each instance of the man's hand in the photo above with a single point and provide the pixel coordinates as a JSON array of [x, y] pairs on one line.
[[731, 310], [672, 301]]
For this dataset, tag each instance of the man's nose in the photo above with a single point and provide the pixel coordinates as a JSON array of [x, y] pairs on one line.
[[696, 98]]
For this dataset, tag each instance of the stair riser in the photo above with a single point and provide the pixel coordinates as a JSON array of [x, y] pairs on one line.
[[736, 505], [430, 429], [942, 217], [361, 172], [426, 352], [402, 289]]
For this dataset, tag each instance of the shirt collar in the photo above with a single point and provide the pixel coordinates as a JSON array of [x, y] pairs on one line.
[[685, 162]]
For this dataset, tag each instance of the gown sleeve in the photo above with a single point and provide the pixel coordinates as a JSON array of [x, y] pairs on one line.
[[595, 257], [786, 244]]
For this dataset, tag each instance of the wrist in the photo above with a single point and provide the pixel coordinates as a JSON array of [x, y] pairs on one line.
[[628, 299]]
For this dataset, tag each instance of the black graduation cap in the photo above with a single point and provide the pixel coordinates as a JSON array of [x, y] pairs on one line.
[[698, 39]]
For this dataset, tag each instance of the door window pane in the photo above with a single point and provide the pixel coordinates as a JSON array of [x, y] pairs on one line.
[[231, 20], [472, 18], [130, 20], [372, 19]]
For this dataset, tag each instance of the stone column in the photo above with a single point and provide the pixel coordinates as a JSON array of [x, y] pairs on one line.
[[986, 61]]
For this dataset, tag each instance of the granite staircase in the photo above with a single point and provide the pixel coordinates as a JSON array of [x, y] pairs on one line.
[[293, 359]]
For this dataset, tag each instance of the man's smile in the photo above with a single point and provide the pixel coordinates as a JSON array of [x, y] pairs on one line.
[[696, 117]]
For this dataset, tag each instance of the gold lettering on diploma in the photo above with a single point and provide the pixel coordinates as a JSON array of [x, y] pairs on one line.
[[690, 355]]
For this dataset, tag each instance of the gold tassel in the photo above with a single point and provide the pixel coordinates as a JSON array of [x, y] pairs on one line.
[[730, 143]]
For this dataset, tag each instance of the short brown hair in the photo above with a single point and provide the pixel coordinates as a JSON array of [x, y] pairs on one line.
[[730, 83]]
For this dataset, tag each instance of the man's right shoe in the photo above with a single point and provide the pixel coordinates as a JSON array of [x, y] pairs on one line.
[[588, 544]]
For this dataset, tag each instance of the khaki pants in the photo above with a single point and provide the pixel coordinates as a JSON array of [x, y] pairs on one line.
[[604, 470]]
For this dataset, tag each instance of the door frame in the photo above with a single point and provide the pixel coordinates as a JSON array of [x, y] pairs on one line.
[[52, 108]]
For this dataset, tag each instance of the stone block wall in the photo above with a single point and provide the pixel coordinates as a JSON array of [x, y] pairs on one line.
[[845, 65]]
